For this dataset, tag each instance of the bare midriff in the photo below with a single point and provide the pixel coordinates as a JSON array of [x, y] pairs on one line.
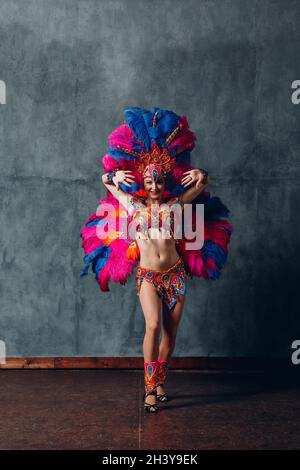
[[157, 253], [157, 245]]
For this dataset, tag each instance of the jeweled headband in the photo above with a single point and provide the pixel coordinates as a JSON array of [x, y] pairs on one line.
[[157, 161]]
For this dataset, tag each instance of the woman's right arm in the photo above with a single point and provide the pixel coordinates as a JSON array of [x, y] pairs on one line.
[[121, 176]]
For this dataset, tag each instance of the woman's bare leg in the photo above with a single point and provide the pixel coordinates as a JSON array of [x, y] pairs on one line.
[[171, 320], [151, 306]]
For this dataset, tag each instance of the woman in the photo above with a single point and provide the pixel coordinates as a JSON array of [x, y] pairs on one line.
[[157, 255], [147, 173]]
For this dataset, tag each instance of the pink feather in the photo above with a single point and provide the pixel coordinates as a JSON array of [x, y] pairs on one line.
[[118, 265], [122, 136]]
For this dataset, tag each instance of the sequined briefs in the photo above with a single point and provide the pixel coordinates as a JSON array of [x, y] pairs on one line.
[[169, 284]]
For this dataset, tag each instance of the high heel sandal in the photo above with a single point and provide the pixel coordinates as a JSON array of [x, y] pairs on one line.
[[150, 407], [162, 397]]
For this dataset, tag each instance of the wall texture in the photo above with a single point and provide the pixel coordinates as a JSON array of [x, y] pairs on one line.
[[70, 68]]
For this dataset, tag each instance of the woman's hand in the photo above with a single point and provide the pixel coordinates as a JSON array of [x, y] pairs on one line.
[[123, 176], [196, 176]]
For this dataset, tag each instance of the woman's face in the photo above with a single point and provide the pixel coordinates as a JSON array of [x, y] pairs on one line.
[[153, 188]]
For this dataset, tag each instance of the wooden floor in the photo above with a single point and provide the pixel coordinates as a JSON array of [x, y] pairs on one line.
[[102, 409]]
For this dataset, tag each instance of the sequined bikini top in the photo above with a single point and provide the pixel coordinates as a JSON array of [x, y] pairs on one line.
[[142, 217]]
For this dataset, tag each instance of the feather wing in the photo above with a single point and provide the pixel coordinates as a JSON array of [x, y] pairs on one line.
[[111, 257], [208, 261]]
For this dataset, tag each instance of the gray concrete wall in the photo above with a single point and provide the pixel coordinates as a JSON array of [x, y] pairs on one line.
[[70, 68]]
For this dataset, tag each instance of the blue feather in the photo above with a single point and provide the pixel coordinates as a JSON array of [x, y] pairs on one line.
[[166, 123], [167, 120], [98, 264], [214, 209], [96, 222], [103, 252], [132, 189], [156, 136], [136, 145], [135, 119], [185, 155], [177, 190], [117, 154], [215, 252]]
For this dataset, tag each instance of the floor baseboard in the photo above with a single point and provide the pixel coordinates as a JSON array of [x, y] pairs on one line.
[[196, 363]]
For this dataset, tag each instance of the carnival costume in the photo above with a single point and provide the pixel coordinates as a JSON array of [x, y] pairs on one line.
[[158, 141]]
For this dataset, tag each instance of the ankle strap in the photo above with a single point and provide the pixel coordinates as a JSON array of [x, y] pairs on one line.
[[151, 392]]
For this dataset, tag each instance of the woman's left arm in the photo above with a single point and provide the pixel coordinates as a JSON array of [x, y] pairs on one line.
[[198, 179]]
